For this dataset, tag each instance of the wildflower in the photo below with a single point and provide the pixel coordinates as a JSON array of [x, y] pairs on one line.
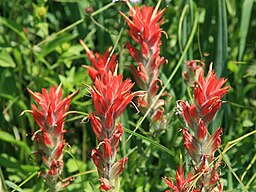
[[199, 145], [207, 95], [182, 184], [101, 63], [50, 118], [110, 95], [144, 29]]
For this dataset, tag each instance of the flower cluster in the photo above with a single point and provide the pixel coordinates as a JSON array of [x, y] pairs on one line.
[[200, 145], [110, 96], [144, 29], [182, 184], [101, 63], [50, 119]]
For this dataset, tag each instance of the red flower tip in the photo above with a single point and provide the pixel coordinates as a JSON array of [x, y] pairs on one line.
[[208, 88], [181, 182], [105, 185], [189, 113], [145, 27], [117, 135], [55, 167], [47, 139], [111, 95], [213, 143], [98, 160], [169, 182], [140, 75], [59, 149], [194, 69], [159, 113], [101, 63], [97, 127], [53, 109]]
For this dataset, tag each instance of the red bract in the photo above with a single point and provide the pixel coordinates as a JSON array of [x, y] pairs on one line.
[[144, 28], [50, 118], [207, 94], [110, 95], [182, 184], [191, 145], [213, 143], [101, 63]]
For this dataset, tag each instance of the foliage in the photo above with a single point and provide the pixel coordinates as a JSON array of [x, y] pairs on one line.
[[39, 47]]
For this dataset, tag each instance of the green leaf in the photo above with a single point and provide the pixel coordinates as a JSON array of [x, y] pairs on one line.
[[245, 21], [222, 40], [73, 165], [12, 185], [247, 123], [6, 60], [231, 6], [14, 27], [54, 43], [161, 147], [4, 136]]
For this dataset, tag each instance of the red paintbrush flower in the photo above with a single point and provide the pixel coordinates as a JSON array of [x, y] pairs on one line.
[[50, 118], [199, 145], [101, 63], [110, 95], [144, 28], [182, 184], [207, 94]]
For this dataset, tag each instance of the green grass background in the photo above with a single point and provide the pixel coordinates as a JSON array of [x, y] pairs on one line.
[[39, 47]]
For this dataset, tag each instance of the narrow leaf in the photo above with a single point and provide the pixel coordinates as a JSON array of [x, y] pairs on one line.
[[159, 146], [222, 40]]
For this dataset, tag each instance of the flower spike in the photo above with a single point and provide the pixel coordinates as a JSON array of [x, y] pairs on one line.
[[50, 118], [110, 96], [199, 145], [144, 28]]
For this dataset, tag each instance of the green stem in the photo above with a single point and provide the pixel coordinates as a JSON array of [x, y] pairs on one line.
[[25, 181], [80, 174]]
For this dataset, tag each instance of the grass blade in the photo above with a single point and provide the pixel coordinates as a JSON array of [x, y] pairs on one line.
[[163, 148], [245, 21], [222, 40]]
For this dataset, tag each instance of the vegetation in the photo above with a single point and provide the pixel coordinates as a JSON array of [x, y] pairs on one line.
[[40, 48]]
